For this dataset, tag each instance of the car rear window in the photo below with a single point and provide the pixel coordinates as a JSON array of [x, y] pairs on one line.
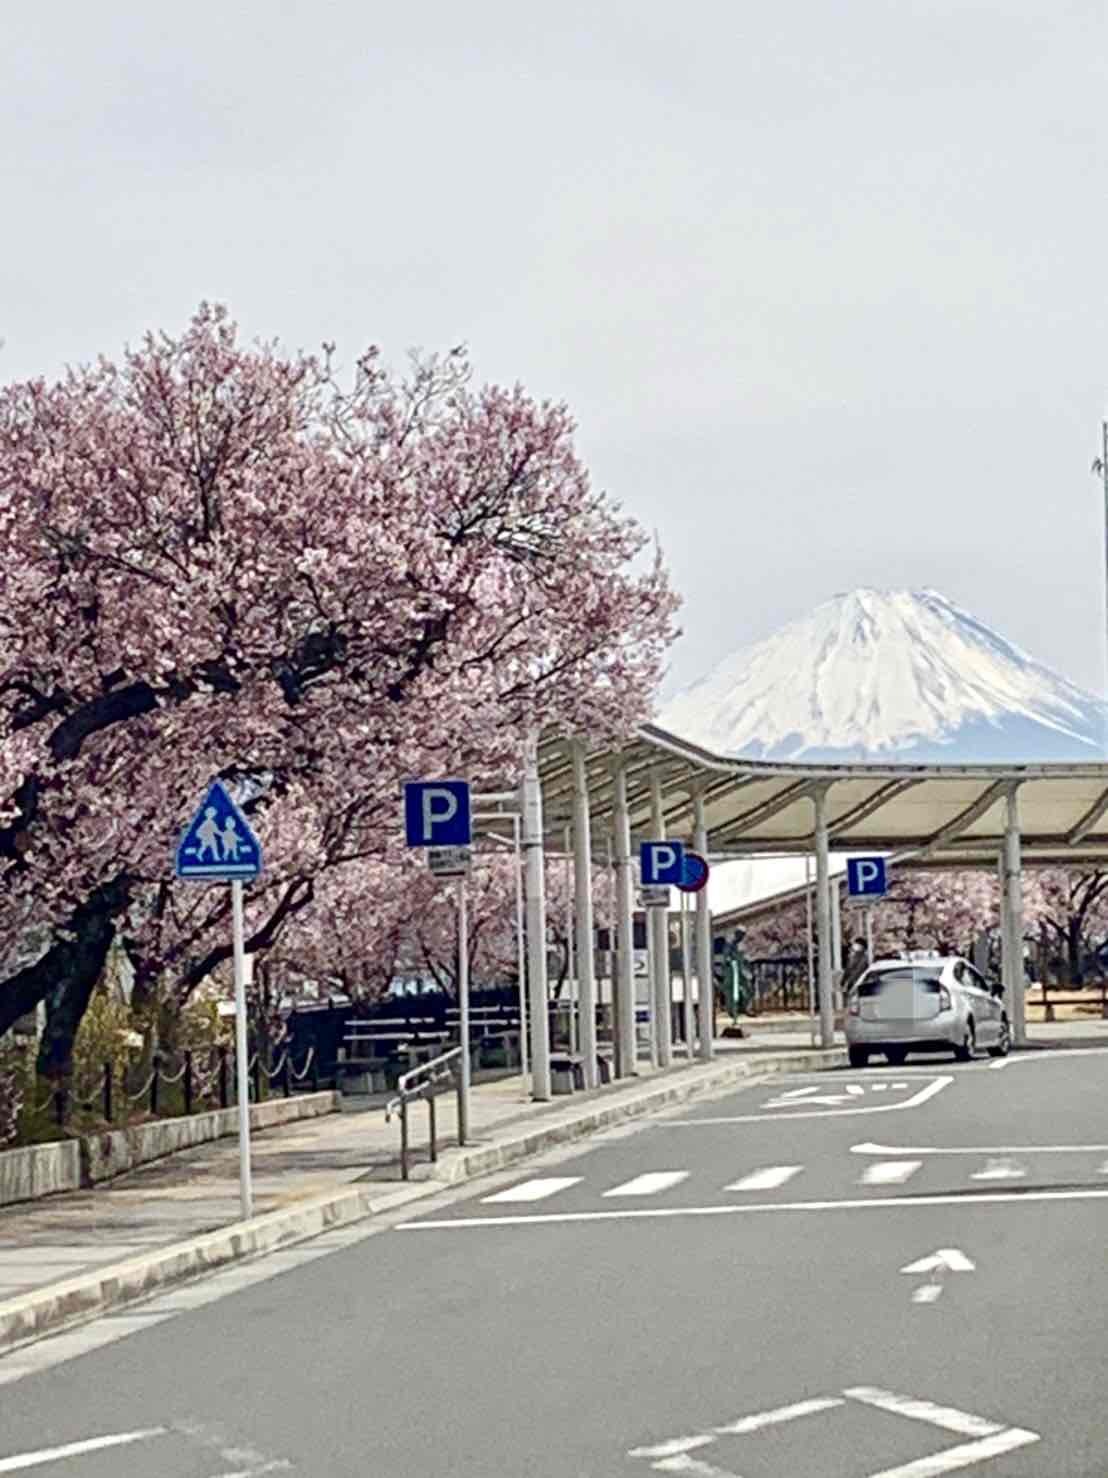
[[921, 976]]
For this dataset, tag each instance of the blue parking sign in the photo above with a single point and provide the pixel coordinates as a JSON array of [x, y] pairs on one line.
[[436, 813], [867, 877], [661, 863]]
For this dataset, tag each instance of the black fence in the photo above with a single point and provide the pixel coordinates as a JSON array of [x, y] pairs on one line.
[[779, 984]]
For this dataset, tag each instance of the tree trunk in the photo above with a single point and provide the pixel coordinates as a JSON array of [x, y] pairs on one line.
[[73, 963], [66, 976]]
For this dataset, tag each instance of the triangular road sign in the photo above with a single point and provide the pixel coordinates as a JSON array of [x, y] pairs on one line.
[[218, 843]]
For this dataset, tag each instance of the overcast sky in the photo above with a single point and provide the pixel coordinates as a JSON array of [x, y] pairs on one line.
[[821, 279]]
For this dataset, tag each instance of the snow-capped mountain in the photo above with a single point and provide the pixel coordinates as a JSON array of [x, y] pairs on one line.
[[899, 675]]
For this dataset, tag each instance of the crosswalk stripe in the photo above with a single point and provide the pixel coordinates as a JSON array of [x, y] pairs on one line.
[[765, 1180], [1000, 1170], [533, 1190], [650, 1183], [890, 1172]]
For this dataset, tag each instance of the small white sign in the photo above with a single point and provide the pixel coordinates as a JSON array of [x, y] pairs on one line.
[[655, 895], [449, 862]]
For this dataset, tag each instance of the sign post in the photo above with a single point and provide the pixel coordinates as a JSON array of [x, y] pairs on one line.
[[437, 815], [219, 846]]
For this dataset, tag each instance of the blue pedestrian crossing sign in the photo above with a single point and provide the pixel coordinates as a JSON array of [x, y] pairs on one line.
[[866, 877], [218, 844]]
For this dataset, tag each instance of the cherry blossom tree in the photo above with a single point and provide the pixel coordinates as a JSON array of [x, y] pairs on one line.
[[217, 560]]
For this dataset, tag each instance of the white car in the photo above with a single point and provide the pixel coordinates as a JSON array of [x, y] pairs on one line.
[[925, 1003]]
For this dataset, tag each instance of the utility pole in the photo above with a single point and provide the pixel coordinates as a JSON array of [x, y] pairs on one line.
[[1100, 466]]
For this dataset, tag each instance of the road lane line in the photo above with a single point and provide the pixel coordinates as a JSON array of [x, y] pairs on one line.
[[533, 1190], [927, 1293], [963, 1456], [772, 1418], [765, 1180], [989, 1149], [890, 1172], [877, 1108], [947, 1417], [24, 1460], [650, 1183], [654, 1213]]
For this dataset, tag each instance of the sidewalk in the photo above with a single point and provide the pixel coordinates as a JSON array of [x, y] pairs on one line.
[[66, 1244]]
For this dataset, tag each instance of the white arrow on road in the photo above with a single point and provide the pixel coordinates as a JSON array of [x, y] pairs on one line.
[[948, 1259], [945, 1260]]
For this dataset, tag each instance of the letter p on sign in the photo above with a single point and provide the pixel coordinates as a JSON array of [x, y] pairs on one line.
[[866, 877], [436, 813], [661, 863]]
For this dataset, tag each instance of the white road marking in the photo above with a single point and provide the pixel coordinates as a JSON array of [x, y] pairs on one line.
[[779, 1414], [672, 1446], [279, 1465], [879, 1087], [685, 1464], [949, 1418], [927, 1293], [991, 1438], [800, 1092], [24, 1460], [654, 1213], [765, 1180], [533, 1190], [1002, 1169], [995, 1149], [952, 1259], [936, 1086], [650, 1183], [963, 1456], [890, 1172]]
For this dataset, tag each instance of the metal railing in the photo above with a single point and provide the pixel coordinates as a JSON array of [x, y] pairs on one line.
[[424, 1082]]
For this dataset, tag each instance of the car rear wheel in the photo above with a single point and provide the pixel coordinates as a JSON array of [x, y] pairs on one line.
[[895, 1055], [965, 1052], [859, 1056], [1004, 1042]]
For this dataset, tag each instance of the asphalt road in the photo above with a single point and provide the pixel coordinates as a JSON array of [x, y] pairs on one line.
[[611, 1311]]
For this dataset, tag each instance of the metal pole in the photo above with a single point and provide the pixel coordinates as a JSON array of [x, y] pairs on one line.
[[706, 990], [811, 948], [624, 992], [1013, 886], [613, 960], [571, 982], [536, 922], [463, 1010], [238, 931], [582, 888], [869, 934], [823, 924], [836, 942], [659, 928], [686, 978], [521, 957]]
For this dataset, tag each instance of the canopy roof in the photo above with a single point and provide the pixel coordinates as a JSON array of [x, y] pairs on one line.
[[948, 813]]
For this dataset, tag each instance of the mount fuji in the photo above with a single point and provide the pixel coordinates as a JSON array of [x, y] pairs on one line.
[[889, 676]]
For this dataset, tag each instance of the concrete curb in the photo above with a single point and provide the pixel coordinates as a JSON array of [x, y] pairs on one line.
[[54, 1307]]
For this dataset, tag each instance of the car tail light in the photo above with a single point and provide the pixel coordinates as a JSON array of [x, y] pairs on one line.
[[855, 1005], [944, 998]]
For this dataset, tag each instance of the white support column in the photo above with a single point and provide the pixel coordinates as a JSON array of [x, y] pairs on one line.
[[824, 943], [1015, 982], [835, 895], [625, 932], [582, 872], [706, 988], [686, 979], [536, 923], [659, 934]]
